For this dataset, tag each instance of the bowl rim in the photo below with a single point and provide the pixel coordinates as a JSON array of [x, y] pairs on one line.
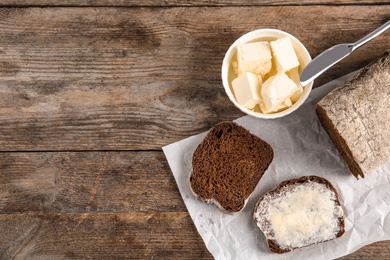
[[247, 37]]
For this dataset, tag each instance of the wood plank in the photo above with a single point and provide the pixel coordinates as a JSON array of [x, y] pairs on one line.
[[186, 3], [87, 182], [378, 250], [140, 78], [100, 236], [116, 236]]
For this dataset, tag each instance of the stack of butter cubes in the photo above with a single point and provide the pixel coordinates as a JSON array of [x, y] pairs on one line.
[[267, 76]]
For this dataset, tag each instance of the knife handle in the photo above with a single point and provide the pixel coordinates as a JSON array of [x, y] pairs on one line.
[[371, 35]]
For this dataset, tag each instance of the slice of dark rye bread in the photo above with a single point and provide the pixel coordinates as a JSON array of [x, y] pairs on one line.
[[356, 116], [298, 213], [227, 165]]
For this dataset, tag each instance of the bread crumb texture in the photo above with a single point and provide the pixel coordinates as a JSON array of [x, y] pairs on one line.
[[227, 165]]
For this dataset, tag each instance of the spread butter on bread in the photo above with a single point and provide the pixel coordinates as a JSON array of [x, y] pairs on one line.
[[227, 165], [298, 213]]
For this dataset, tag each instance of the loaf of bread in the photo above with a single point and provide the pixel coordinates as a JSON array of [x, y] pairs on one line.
[[356, 116], [227, 165], [298, 213]]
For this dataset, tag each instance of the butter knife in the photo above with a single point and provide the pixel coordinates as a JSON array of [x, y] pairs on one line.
[[334, 54]]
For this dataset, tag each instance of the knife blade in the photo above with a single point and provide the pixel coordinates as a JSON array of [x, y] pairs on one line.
[[334, 54]]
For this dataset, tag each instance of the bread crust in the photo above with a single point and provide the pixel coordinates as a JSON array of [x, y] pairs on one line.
[[356, 116], [227, 165], [273, 244]]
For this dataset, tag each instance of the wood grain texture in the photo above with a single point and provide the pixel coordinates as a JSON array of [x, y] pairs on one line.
[[116, 236], [378, 250], [82, 182], [140, 78], [125, 203], [100, 236], [183, 3], [77, 79]]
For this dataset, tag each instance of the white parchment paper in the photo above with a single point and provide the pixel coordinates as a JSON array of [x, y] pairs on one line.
[[301, 147]]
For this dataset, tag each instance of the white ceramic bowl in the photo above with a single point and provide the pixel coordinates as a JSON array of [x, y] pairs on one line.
[[264, 35]]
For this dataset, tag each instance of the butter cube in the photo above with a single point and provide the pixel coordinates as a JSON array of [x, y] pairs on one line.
[[254, 57], [237, 71], [297, 94], [284, 54], [247, 89], [276, 90], [284, 105], [294, 76]]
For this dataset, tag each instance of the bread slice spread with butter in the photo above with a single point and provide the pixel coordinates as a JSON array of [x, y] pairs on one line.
[[227, 165], [298, 213]]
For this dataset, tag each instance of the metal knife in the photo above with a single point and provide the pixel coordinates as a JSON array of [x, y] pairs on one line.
[[334, 54]]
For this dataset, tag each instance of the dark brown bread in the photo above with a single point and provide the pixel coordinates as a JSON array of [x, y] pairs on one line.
[[356, 116], [227, 165], [263, 207]]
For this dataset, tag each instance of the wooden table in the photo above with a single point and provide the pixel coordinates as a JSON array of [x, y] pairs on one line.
[[91, 90]]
